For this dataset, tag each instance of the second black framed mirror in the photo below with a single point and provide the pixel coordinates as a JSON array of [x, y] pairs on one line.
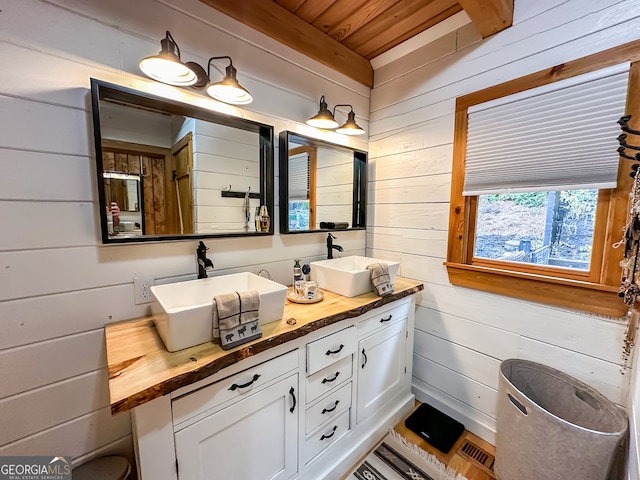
[[323, 186]]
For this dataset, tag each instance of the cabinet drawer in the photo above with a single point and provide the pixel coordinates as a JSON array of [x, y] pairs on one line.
[[383, 316], [327, 408], [330, 349], [325, 436], [237, 386], [326, 379]]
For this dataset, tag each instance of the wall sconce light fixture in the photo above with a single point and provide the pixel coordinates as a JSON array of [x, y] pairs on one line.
[[167, 67], [228, 90], [350, 127], [325, 119]]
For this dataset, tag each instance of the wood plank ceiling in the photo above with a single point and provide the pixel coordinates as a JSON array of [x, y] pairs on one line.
[[346, 34]]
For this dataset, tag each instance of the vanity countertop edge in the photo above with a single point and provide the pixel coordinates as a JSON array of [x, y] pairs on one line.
[[141, 369]]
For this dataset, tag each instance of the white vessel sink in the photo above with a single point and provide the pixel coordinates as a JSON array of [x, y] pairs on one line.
[[348, 276], [183, 312]]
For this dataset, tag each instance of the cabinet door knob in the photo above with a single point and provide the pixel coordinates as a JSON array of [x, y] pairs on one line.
[[235, 386], [364, 361], [333, 352], [335, 427], [382, 320], [329, 380], [292, 392], [328, 410]]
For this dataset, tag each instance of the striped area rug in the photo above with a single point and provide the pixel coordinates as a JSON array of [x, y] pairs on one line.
[[397, 459]]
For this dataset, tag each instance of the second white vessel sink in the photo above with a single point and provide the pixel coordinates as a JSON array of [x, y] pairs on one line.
[[183, 312], [348, 276]]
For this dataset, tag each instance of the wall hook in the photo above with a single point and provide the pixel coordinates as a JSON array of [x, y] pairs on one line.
[[232, 194], [622, 141], [624, 125], [621, 151]]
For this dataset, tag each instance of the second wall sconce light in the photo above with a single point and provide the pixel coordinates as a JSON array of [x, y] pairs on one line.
[[325, 119], [167, 67]]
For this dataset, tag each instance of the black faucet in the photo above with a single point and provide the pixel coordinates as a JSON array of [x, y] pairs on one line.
[[331, 246], [203, 261]]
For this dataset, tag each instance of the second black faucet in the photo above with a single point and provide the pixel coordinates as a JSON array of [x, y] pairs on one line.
[[203, 262], [331, 246]]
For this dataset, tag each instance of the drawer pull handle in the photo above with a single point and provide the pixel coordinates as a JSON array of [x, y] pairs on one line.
[[333, 352], [335, 427], [329, 410], [329, 380], [364, 362], [292, 392], [382, 320], [235, 386]]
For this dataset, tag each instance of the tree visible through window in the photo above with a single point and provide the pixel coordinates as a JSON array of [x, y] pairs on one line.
[[544, 228]]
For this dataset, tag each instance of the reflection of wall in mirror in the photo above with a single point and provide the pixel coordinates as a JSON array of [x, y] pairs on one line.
[[334, 186], [224, 157], [147, 139]]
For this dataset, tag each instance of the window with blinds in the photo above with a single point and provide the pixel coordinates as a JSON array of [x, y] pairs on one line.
[[538, 191], [560, 136], [300, 207], [299, 177]]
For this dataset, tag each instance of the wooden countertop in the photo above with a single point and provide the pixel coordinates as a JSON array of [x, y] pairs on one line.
[[141, 368]]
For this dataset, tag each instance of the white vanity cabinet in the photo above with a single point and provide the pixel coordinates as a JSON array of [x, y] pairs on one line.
[[382, 363], [243, 426], [309, 408], [255, 438]]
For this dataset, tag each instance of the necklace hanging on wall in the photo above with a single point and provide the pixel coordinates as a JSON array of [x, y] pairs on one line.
[[630, 281]]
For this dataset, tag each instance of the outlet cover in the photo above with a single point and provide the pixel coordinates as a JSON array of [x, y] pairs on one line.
[[142, 289]]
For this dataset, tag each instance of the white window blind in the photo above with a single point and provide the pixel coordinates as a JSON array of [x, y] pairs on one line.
[[560, 136], [299, 177]]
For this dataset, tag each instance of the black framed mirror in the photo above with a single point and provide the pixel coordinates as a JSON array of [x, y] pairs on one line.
[[323, 186], [167, 170]]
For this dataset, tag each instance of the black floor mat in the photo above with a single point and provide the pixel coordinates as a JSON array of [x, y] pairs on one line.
[[434, 427]]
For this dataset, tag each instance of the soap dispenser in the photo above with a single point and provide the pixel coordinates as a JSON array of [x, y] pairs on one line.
[[306, 271]]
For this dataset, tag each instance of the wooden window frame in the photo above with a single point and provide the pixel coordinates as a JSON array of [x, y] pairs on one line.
[[595, 291]]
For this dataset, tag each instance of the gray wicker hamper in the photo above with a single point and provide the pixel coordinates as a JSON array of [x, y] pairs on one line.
[[551, 426]]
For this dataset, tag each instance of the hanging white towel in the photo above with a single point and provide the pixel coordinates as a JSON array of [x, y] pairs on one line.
[[380, 278], [236, 318]]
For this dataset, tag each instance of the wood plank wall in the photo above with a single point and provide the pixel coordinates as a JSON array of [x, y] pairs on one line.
[[58, 284], [235, 165], [334, 180], [461, 334]]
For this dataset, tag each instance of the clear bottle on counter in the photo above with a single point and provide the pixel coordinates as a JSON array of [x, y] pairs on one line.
[[298, 279], [257, 220], [265, 220]]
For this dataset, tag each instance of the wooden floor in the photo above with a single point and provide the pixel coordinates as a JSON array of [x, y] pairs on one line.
[[452, 459]]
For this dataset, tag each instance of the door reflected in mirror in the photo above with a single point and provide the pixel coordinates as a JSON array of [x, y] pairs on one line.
[[197, 173], [325, 187]]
